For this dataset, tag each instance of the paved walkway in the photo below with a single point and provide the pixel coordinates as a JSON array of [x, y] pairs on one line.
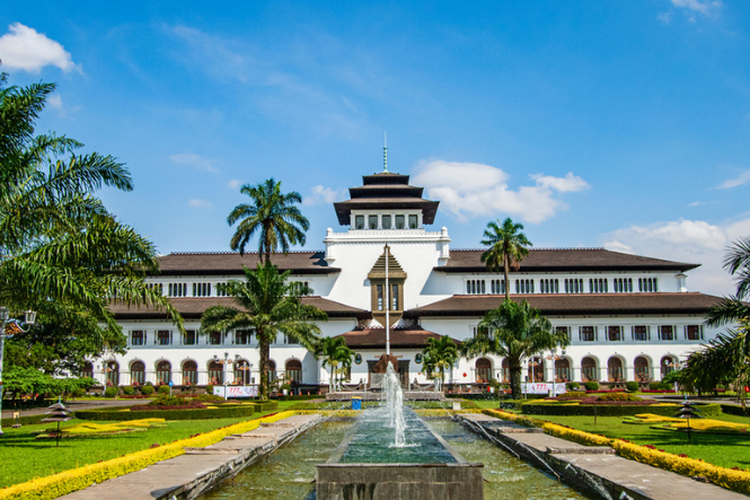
[[199, 469], [600, 464]]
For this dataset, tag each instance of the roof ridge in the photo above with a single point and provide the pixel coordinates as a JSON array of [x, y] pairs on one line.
[[542, 249], [219, 252]]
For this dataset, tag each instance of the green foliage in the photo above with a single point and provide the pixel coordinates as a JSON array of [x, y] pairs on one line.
[[128, 390], [267, 305], [334, 352], [273, 215], [573, 386], [508, 247], [163, 389], [80, 392], [207, 398], [601, 410], [618, 396], [660, 386], [223, 411], [110, 392], [439, 354], [30, 382], [591, 385], [631, 386], [167, 400], [147, 390]]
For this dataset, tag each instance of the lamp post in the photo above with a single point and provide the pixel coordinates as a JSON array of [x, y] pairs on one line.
[[6, 320]]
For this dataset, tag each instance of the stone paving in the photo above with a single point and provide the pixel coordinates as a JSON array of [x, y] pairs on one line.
[[599, 466], [199, 469]]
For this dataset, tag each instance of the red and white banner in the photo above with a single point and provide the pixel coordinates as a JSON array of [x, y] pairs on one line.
[[542, 388], [237, 391]]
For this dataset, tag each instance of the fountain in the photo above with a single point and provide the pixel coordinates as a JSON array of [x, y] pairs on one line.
[[391, 453]]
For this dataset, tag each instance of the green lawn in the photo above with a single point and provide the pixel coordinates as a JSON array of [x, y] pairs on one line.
[[23, 457], [719, 449]]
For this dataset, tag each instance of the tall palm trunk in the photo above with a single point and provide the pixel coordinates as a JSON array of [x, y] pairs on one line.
[[506, 271], [515, 378], [265, 351]]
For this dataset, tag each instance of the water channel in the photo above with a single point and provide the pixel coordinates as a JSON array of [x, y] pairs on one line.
[[289, 472]]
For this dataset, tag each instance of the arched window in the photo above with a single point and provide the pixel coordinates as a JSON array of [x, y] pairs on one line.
[[137, 373], [668, 365], [614, 369], [484, 370], [163, 372], [562, 370], [589, 370], [271, 370], [242, 372], [215, 373], [536, 370], [506, 370], [189, 373], [112, 370], [87, 370], [642, 369], [293, 370]]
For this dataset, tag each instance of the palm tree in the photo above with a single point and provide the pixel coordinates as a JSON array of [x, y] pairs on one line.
[[733, 308], [268, 304], [507, 248], [514, 331], [335, 352], [440, 354], [273, 215], [57, 240]]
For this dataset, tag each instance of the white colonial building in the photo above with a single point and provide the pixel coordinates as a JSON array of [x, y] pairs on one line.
[[629, 318]]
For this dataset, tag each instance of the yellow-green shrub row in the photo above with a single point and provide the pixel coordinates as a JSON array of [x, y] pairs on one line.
[[72, 480]]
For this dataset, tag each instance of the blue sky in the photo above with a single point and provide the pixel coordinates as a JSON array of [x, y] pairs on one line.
[[617, 124]]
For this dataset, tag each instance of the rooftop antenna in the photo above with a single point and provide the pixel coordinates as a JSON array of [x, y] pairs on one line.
[[385, 152]]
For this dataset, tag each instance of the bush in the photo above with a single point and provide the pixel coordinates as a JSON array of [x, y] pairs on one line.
[[618, 396], [573, 386], [591, 385], [572, 394], [612, 410], [110, 392], [77, 393], [207, 398], [147, 390], [163, 389], [631, 386], [209, 389], [128, 390], [232, 411]]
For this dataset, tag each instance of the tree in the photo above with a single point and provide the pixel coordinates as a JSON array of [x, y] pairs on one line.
[[273, 215], [267, 305], [732, 309], [440, 354], [514, 331], [507, 248], [58, 242], [334, 352]]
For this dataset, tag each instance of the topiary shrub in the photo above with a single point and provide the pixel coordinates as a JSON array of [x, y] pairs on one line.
[[110, 392], [147, 390], [209, 389], [128, 390], [80, 392], [618, 396], [573, 386], [591, 385], [631, 386], [572, 394], [163, 389]]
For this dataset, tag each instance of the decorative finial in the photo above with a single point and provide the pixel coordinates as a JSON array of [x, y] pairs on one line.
[[385, 152]]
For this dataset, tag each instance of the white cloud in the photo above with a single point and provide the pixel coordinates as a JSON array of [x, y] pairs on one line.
[[691, 241], [705, 7], [55, 101], [25, 49], [196, 161], [322, 195], [235, 183], [474, 189], [198, 203], [741, 179]]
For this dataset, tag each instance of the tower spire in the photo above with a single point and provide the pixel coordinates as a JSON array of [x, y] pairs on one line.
[[385, 152]]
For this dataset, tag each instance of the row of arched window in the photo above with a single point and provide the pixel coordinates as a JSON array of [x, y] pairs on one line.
[[590, 369]]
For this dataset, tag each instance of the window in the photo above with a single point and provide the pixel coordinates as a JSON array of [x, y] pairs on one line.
[[290, 341], [480, 331], [641, 333], [598, 285], [524, 286], [163, 372], [190, 338], [214, 338], [562, 370], [549, 286], [589, 371], [497, 287], [155, 286], [359, 222], [693, 332], [666, 332], [87, 370], [614, 369], [373, 221], [668, 365], [386, 222], [400, 222], [614, 333], [215, 373], [242, 372], [293, 370], [300, 288], [272, 375], [201, 289], [505, 369], [189, 373], [137, 373], [242, 337], [394, 297], [564, 330], [112, 371], [623, 285], [475, 287], [137, 337], [177, 290], [164, 337], [413, 222], [647, 285], [221, 290], [574, 285], [642, 369], [587, 333], [483, 370], [380, 297]]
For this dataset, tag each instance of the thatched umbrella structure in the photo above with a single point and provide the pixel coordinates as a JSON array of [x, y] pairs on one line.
[[58, 413]]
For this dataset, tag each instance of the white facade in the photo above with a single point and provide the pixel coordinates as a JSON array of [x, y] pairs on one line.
[[631, 316]]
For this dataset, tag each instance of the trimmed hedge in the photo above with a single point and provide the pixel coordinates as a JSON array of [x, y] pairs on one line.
[[204, 414], [29, 420], [728, 409], [603, 410]]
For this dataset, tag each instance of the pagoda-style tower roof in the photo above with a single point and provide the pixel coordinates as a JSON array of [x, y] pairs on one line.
[[385, 191]]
